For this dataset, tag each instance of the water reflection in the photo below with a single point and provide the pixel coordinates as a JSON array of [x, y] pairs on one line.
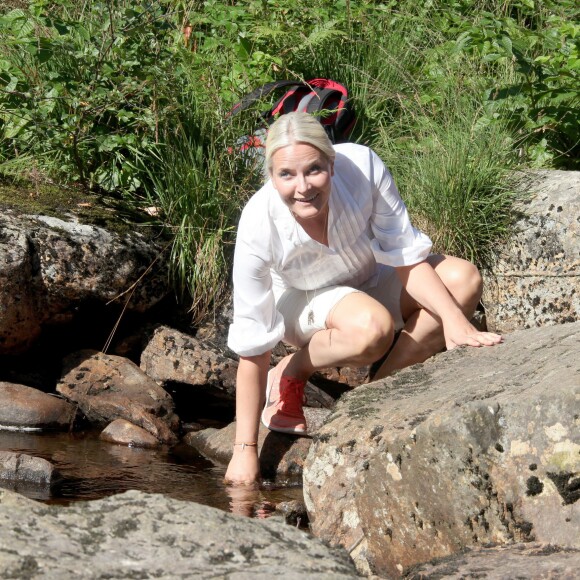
[[250, 501], [93, 469]]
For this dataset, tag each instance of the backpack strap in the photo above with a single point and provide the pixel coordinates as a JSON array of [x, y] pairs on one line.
[[289, 101], [257, 94]]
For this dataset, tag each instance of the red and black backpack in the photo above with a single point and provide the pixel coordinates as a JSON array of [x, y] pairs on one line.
[[326, 99]]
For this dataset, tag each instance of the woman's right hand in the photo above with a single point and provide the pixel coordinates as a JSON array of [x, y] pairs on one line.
[[244, 467]]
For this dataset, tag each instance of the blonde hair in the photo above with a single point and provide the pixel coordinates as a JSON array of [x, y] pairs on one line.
[[296, 128]]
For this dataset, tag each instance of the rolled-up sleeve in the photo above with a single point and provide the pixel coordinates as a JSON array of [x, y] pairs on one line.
[[396, 242], [257, 325]]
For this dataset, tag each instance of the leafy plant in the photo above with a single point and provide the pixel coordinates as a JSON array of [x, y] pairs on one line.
[[84, 91], [133, 99]]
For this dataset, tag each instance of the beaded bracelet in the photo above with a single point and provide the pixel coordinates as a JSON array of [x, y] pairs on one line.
[[244, 445]]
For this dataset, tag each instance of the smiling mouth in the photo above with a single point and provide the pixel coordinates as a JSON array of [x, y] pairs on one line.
[[307, 199]]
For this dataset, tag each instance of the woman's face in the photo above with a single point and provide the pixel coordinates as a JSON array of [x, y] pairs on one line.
[[302, 175]]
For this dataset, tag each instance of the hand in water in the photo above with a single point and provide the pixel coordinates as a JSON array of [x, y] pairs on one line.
[[244, 467]]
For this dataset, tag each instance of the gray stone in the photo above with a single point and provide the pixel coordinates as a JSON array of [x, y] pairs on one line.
[[475, 446], [51, 267], [123, 432], [138, 535], [19, 320], [172, 356], [25, 408], [531, 561], [107, 387], [22, 468], [536, 280]]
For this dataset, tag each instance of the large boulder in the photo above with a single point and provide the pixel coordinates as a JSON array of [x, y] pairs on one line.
[[20, 322], [536, 280], [475, 446], [107, 387], [138, 535], [49, 268], [25, 408]]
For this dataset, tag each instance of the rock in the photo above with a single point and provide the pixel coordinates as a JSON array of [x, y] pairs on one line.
[[172, 356], [25, 408], [22, 468], [110, 387], [123, 432], [50, 268], [139, 535], [20, 323], [531, 561], [280, 454], [294, 513], [475, 446], [536, 280]]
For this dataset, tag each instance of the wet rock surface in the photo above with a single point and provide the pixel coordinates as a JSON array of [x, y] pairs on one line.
[[137, 535], [475, 446], [26, 469], [536, 281], [107, 387], [123, 432]]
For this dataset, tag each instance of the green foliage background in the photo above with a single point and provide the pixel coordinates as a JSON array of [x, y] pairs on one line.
[[131, 99]]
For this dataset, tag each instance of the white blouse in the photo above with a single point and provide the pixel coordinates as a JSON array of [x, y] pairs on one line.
[[367, 223]]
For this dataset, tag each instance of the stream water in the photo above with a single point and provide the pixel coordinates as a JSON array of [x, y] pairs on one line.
[[92, 469]]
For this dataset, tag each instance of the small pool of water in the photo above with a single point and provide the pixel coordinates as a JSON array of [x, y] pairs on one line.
[[93, 469]]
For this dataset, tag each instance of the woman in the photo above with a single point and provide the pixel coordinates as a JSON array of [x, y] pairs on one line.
[[327, 260]]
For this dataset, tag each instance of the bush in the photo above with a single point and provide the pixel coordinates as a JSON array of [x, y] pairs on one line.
[[132, 99]]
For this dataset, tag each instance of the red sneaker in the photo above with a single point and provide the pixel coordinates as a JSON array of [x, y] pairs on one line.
[[283, 409]]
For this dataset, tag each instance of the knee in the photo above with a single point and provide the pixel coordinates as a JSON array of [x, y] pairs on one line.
[[465, 283], [372, 334]]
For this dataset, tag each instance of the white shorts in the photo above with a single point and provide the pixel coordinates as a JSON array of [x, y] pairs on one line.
[[296, 305]]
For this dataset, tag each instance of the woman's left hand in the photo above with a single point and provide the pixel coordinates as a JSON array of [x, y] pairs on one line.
[[461, 332]]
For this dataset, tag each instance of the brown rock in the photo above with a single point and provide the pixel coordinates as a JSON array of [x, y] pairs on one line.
[[123, 432], [476, 446], [23, 407], [109, 387], [294, 513]]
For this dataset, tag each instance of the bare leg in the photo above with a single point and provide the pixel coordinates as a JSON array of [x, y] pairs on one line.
[[359, 330], [422, 335]]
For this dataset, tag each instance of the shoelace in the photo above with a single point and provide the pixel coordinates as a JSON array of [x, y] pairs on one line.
[[292, 396]]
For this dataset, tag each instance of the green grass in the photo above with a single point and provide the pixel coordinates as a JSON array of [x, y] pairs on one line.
[[108, 100]]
